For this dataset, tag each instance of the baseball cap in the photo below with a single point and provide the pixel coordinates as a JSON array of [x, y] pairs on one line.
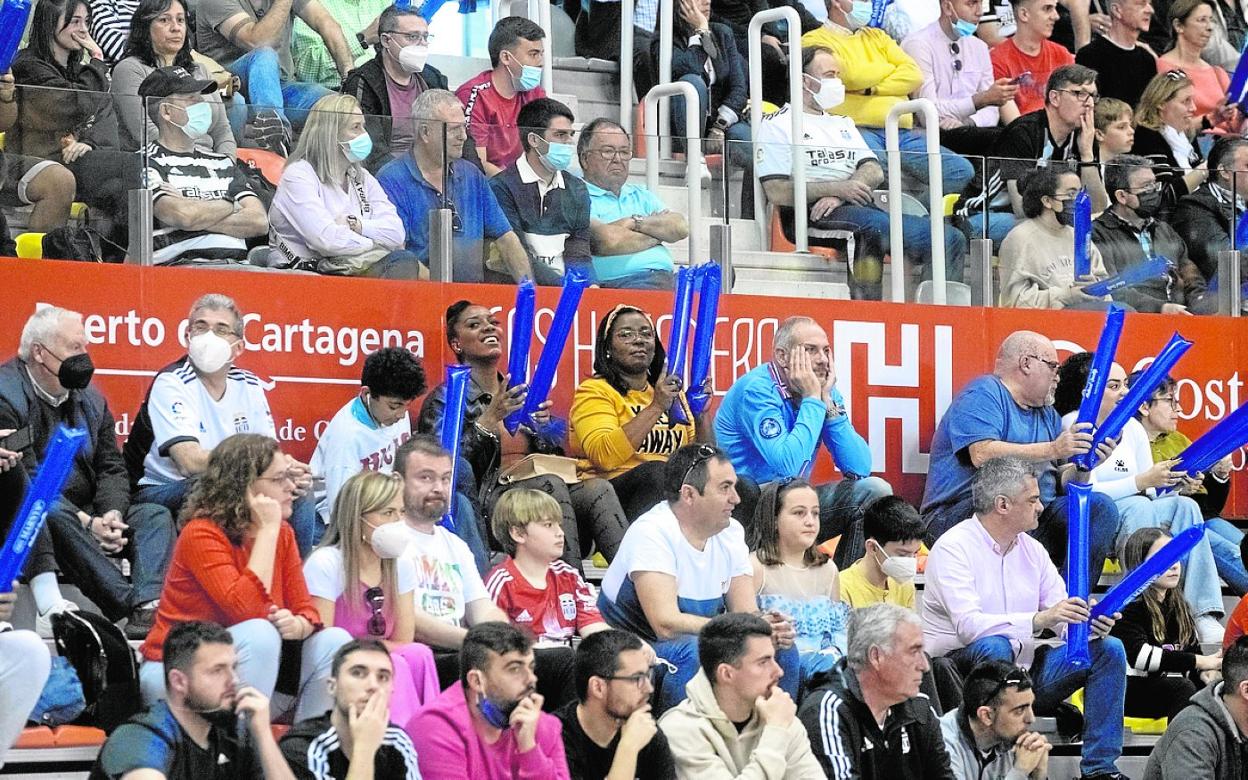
[[174, 80]]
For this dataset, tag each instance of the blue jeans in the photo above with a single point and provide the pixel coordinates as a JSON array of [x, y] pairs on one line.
[[303, 518], [1224, 539], [1103, 522], [1175, 514], [1104, 683], [955, 170], [840, 513], [468, 529], [999, 224], [872, 226], [261, 77], [739, 152]]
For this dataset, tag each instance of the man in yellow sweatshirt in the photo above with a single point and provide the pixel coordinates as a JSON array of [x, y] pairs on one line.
[[878, 74]]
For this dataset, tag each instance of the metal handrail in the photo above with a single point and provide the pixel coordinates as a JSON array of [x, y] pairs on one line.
[[548, 55], [935, 196], [693, 156], [661, 130], [626, 64], [797, 108]]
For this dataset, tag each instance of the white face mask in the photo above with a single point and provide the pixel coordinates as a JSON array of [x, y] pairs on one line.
[[413, 58], [209, 352], [900, 568], [830, 95], [390, 540]]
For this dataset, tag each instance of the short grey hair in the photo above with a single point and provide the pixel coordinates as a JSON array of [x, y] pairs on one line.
[[786, 333], [1015, 346], [875, 626], [427, 104], [998, 477], [218, 302], [41, 328]]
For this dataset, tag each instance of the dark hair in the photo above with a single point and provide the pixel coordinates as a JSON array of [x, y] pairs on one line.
[[765, 535], [1040, 183], [1235, 665], [393, 372], [387, 22], [355, 646], [220, 493], [139, 45], [891, 519], [453, 313], [1222, 155], [984, 682], [422, 443], [490, 637], [508, 32], [604, 367], [586, 136], [1066, 75], [1163, 607], [1166, 387], [689, 465], [599, 656], [722, 640], [1072, 375], [810, 52], [1118, 173], [184, 640], [48, 19], [536, 117]]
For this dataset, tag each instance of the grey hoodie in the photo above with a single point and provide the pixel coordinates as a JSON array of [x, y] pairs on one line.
[[964, 756], [1202, 743]]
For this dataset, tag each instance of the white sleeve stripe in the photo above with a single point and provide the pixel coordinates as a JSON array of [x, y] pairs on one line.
[[397, 738], [497, 581], [318, 754], [830, 731]]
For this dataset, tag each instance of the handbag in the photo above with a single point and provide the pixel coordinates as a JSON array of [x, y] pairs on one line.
[[539, 465], [350, 265]]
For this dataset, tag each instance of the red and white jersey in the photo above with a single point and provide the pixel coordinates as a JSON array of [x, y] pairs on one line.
[[552, 614]]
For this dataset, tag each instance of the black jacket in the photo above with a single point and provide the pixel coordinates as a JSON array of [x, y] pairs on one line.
[[1203, 220], [848, 743], [1151, 655], [97, 483], [1121, 248], [367, 84], [60, 101], [731, 88]]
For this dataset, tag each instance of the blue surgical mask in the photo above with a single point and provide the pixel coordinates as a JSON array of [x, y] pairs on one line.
[[530, 77], [963, 28], [558, 156], [198, 119], [358, 148], [860, 14]]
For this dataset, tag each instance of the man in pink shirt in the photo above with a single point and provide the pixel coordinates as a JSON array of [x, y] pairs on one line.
[[490, 724], [992, 589]]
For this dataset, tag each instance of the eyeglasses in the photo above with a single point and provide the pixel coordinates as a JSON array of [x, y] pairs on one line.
[[221, 329], [1017, 678], [640, 679], [955, 50], [1171, 400], [457, 222], [1147, 188], [628, 334], [410, 37], [609, 154], [1080, 95], [705, 453], [1176, 75], [1052, 364], [375, 597], [289, 475]]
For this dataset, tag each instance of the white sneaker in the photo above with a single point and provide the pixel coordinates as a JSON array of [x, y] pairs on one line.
[[43, 620], [1209, 630]]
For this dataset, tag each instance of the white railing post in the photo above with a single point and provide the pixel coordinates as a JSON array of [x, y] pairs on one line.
[[626, 65], [548, 58], [935, 196], [662, 126], [797, 107], [693, 158]]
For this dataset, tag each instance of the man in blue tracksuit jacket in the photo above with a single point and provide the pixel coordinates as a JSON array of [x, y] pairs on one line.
[[772, 420]]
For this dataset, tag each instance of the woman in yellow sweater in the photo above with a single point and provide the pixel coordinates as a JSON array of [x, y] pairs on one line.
[[620, 422]]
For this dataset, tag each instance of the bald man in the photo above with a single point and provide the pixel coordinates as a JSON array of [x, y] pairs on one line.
[[1009, 413]]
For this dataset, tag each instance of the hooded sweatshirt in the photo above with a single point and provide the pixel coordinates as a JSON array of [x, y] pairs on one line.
[[707, 746], [1202, 741]]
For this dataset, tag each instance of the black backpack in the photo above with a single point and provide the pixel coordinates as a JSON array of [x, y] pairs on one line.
[[100, 654], [73, 243]]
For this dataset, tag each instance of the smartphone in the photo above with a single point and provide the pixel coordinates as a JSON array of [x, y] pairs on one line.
[[1023, 78], [17, 441]]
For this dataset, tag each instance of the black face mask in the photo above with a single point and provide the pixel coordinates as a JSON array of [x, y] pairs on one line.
[[1150, 204], [1067, 215], [224, 719], [75, 372]]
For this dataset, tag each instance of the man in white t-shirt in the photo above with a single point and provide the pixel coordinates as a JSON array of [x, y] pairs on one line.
[[842, 174], [367, 431], [196, 403], [449, 592], [682, 563]]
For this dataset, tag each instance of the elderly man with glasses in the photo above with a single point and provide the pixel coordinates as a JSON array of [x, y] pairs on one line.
[[629, 225], [1009, 413]]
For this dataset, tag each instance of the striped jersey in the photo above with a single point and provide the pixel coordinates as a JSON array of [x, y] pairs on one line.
[[550, 615], [198, 175], [314, 752]]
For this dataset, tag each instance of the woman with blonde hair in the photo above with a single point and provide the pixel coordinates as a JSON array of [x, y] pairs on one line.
[[1192, 23], [360, 582], [329, 214], [1165, 127]]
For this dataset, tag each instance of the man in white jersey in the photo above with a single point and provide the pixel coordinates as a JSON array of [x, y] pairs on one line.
[[842, 174], [197, 402]]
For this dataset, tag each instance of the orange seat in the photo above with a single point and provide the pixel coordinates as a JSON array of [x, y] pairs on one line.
[[279, 730], [714, 162], [780, 243], [35, 738], [268, 163], [79, 736]]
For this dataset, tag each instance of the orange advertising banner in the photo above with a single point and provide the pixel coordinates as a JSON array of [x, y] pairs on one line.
[[898, 366]]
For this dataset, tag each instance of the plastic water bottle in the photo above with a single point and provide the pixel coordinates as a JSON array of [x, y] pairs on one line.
[[13, 16]]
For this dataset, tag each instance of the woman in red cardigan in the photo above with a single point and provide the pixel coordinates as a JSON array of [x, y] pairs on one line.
[[236, 563]]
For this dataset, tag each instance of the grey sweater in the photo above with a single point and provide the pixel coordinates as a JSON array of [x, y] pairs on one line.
[[1201, 742]]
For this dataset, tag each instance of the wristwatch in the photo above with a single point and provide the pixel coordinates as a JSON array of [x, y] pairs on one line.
[[637, 220], [359, 36], [721, 123]]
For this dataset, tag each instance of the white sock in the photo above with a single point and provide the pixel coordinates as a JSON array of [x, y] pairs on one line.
[[47, 591]]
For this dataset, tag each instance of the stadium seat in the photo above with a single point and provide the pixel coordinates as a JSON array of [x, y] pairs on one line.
[[268, 163], [30, 245], [1137, 725], [780, 243]]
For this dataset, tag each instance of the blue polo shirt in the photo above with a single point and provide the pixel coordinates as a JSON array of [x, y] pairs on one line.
[[605, 206], [479, 214]]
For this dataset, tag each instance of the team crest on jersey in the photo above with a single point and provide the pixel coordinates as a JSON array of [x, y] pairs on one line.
[[240, 423], [769, 428], [567, 605]]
